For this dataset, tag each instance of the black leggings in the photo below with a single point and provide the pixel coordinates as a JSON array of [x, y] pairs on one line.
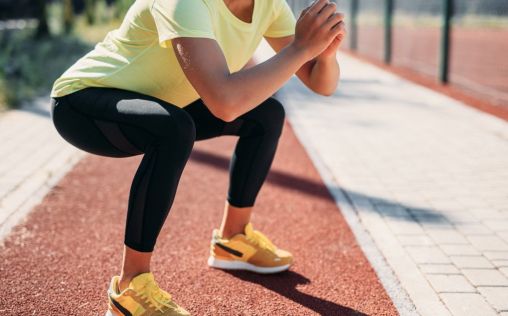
[[118, 123]]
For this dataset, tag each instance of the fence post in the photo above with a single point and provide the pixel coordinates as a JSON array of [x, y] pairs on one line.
[[42, 12], [388, 21], [444, 55], [354, 25]]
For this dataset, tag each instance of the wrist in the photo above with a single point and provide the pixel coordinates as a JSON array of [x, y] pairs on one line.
[[302, 54], [327, 58]]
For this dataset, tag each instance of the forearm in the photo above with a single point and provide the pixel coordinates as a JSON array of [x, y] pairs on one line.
[[249, 87], [324, 75], [229, 95]]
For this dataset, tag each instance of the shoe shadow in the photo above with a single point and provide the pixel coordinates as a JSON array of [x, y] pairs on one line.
[[285, 284]]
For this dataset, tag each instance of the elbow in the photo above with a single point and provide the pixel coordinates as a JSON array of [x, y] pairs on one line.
[[224, 115], [222, 108], [327, 92]]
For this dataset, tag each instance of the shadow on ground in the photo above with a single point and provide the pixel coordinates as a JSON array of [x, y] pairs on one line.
[[385, 207], [285, 284]]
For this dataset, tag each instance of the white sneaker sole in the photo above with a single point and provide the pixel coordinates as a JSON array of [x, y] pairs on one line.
[[109, 313], [240, 265]]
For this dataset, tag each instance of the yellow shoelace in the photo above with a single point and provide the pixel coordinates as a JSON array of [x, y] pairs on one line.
[[260, 239], [156, 297]]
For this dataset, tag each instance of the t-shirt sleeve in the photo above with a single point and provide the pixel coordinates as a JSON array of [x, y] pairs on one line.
[[181, 18], [284, 22]]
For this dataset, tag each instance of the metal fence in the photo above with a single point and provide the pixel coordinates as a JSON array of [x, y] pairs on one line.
[[460, 42]]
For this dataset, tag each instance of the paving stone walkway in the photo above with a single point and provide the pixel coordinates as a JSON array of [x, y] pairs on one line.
[[33, 157], [424, 176]]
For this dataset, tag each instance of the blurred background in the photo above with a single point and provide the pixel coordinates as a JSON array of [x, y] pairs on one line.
[[39, 39], [461, 43]]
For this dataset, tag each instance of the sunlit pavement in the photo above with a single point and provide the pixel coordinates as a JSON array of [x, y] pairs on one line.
[[33, 157], [422, 179]]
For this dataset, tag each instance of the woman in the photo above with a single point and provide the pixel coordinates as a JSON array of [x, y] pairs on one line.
[[177, 71]]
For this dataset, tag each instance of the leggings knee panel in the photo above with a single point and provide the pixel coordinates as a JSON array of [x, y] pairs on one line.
[[270, 115]]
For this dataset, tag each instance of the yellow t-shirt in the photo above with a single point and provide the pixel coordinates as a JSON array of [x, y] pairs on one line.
[[138, 56]]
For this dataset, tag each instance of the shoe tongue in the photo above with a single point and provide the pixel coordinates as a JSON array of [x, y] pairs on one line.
[[249, 230], [141, 280]]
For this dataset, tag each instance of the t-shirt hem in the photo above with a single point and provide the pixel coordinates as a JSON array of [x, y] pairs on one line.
[[178, 99]]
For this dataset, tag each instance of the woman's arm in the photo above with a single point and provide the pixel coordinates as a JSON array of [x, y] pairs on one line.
[[229, 95], [322, 73]]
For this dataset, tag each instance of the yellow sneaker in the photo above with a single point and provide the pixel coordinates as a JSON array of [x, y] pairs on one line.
[[250, 251], [143, 297]]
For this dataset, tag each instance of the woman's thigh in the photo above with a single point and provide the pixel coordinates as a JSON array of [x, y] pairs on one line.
[[207, 125], [268, 117], [118, 123]]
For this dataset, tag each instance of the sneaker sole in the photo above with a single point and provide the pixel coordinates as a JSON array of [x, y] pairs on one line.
[[240, 265], [112, 313]]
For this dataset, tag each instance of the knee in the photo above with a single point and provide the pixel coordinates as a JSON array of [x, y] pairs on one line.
[[181, 129], [274, 117], [186, 126]]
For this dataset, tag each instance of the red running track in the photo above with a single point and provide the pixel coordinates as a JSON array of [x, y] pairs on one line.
[[59, 262]]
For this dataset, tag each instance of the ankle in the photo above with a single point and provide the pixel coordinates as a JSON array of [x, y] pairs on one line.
[[123, 283], [125, 279], [234, 220], [230, 232]]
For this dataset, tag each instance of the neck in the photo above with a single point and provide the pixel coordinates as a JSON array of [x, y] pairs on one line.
[[242, 9]]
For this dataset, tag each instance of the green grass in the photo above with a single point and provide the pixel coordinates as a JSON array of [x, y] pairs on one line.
[[29, 66]]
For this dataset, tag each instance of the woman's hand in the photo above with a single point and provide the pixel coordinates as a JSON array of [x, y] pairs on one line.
[[318, 29], [331, 50]]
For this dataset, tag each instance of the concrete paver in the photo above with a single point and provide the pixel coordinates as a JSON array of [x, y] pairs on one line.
[[486, 277], [487, 243], [445, 269], [497, 255], [496, 296], [444, 283], [427, 255], [415, 240], [471, 262], [500, 263], [467, 304], [459, 250]]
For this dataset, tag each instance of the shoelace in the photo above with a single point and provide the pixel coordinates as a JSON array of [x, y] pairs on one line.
[[258, 238], [156, 297]]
